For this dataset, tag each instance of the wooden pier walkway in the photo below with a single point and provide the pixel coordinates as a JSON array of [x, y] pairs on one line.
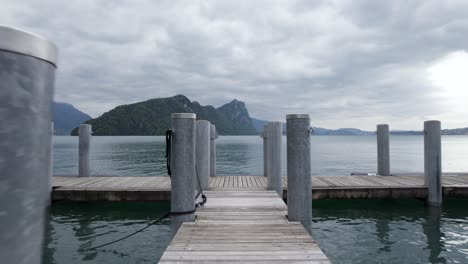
[[324, 187], [243, 227]]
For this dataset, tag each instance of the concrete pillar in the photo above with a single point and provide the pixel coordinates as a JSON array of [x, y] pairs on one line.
[[27, 77], [299, 170], [202, 155], [433, 162], [383, 150], [84, 150], [51, 169], [275, 180], [183, 169], [266, 158], [213, 137], [264, 153]]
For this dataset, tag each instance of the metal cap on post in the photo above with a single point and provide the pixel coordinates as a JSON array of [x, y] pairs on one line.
[[383, 150], [213, 137], [275, 179], [27, 77], [84, 150], [299, 170], [202, 146], [183, 169], [433, 162]]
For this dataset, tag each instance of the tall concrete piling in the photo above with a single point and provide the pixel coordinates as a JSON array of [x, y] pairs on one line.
[[213, 137], [51, 169], [84, 150], [263, 135], [299, 170], [433, 162], [275, 180], [202, 155], [266, 158], [27, 77], [183, 169], [383, 150]]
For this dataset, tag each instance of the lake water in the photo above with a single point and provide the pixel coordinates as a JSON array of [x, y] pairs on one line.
[[349, 231], [243, 155]]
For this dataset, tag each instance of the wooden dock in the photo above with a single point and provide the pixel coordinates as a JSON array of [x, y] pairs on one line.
[[243, 227], [324, 187]]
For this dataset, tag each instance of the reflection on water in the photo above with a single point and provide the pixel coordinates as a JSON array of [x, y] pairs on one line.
[[74, 228], [243, 155], [391, 231], [349, 231]]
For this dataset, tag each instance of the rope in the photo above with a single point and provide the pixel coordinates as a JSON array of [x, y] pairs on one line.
[[127, 236], [204, 199], [168, 151]]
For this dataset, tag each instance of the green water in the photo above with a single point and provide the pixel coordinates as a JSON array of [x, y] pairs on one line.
[[349, 231]]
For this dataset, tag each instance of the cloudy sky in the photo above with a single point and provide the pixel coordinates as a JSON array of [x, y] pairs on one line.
[[347, 63]]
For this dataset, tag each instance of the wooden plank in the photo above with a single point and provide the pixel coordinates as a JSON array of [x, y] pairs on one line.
[[242, 226]]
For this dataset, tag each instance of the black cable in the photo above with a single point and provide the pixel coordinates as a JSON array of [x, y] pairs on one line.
[[168, 151], [127, 236]]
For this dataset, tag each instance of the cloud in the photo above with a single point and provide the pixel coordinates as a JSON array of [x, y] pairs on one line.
[[347, 63]]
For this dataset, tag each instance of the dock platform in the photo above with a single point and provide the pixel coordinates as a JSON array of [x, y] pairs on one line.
[[243, 227], [147, 188]]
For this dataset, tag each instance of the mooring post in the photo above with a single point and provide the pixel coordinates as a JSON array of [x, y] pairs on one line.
[[51, 169], [266, 158], [202, 146], [263, 135], [383, 150], [275, 180], [27, 77], [213, 137], [183, 169], [433, 162], [299, 170], [84, 149]]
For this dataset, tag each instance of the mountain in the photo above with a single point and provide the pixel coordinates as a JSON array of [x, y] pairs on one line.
[[153, 117], [66, 117], [318, 131], [456, 131], [258, 124]]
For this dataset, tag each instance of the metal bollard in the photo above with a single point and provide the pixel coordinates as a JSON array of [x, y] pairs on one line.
[[433, 162], [213, 137], [84, 150], [27, 77], [183, 169], [266, 152], [202, 146], [299, 170], [275, 179], [383, 150]]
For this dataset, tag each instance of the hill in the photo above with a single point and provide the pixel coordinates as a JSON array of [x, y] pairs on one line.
[[66, 117], [153, 117]]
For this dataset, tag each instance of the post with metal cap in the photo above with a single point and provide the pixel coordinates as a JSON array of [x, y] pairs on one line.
[[275, 179], [183, 169], [383, 150], [27, 77], [433, 162], [84, 149], [299, 170], [213, 137], [266, 158], [202, 155], [263, 135]]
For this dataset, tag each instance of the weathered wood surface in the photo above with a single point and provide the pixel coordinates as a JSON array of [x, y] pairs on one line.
[[243, 227], [324, 187]]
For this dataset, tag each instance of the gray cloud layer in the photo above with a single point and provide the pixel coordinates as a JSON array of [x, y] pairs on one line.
[[347, 63]]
